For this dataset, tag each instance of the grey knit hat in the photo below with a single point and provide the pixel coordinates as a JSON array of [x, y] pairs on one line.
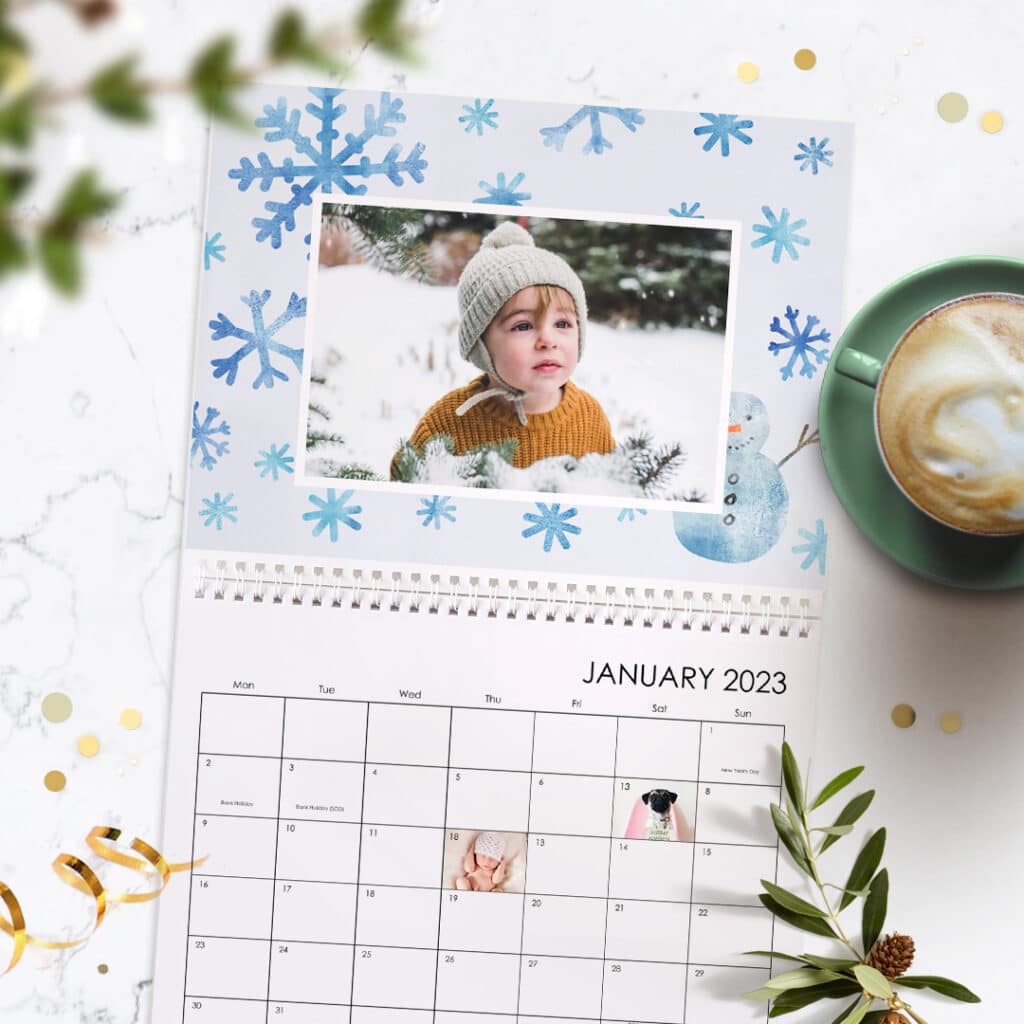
[[507, 262]]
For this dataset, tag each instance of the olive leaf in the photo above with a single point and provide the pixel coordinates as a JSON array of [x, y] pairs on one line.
[[790, 839], [798, 998], [848, 815], [841, 781], [875, 906], [118, 92], [802, 977], [873, 981], [791, 776], [791, 901], [864, 867], [858, 1013], [814, 925], [945, 987]]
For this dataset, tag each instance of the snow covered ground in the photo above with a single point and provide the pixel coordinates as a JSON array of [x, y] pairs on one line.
[[388, 348]]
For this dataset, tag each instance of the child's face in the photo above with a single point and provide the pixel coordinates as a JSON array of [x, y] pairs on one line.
[[531, 351], [487, 863]]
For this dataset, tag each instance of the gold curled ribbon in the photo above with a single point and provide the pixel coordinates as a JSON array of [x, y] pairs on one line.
[[74, 872], [101, 839]]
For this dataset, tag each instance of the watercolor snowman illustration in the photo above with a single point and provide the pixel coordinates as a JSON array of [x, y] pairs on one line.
[[756, 498]]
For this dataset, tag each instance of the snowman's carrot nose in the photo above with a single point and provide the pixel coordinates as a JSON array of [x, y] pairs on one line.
[[735, 428]]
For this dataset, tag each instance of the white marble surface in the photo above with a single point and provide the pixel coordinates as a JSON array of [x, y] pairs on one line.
[[94, 421]]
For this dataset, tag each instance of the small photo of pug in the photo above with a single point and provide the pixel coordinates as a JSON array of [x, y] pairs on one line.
[[655, 809]]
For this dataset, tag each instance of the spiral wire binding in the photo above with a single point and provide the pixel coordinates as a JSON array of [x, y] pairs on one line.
[[510, 598]]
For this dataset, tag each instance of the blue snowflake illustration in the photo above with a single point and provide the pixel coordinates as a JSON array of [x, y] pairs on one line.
[[307, 238], [435, 509], [203, 439], [479, 116], [335, 509], [502, 194], [260, 339], [687, 210], [815, 549], [553, 523], [801, 341], [630, 117], [275, 461], [212, 251], [327, 169], [216, 509], [630, 514], [720, 128], [780, 233], [813, 153]]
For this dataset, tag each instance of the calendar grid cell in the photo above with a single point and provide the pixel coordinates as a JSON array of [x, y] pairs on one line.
[[579, 972]]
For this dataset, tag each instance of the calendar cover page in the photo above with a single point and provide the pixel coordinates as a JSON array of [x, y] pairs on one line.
[[363, 250]]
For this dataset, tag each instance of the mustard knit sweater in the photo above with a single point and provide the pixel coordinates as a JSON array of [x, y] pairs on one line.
[[576, 426]]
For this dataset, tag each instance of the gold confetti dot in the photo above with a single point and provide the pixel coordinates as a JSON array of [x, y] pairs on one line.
[[88, 746], [56, 707], [102, 968], [805, 59], [748, 71], [131, 718], [54, 781], [894, 99], [906, 51], [950, 722], [992, 122], [903, 716], [952, 107]]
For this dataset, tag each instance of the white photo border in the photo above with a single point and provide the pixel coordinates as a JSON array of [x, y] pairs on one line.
[[712, 506]]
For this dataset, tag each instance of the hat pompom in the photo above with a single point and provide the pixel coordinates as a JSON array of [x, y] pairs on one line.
[[508, 233]]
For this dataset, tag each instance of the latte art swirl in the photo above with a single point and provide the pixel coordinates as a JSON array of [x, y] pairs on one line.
[[950, 413]]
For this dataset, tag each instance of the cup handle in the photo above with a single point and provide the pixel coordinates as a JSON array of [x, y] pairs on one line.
[[859, 366]]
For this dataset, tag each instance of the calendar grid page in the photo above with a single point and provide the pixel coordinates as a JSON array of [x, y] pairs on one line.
[[433, 818]]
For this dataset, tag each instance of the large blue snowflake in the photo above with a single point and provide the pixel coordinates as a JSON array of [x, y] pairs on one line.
[[815, 550], [801, 342], [720, 128], [203, 439], [216, 509], [260, 339], [333, 510], [435, 509], [630, 117], [275, 461], [327, 168], [212, 251], [502, 194], [479, 116], [813, 153], [553, 523], [687, 210], [779, 233]]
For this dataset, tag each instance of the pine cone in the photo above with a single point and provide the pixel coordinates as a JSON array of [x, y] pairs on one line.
[[892, 1017], [892, 955]]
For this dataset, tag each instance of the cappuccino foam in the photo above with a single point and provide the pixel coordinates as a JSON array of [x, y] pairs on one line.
[[951, 414]]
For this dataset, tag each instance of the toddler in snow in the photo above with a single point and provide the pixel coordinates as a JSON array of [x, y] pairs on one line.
[[522, 320], [484, 864]]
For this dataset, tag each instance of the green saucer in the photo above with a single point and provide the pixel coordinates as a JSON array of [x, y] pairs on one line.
[[847, 433]]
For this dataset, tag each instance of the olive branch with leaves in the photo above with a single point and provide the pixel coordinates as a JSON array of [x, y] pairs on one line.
[[869, 972], [120, 90]]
